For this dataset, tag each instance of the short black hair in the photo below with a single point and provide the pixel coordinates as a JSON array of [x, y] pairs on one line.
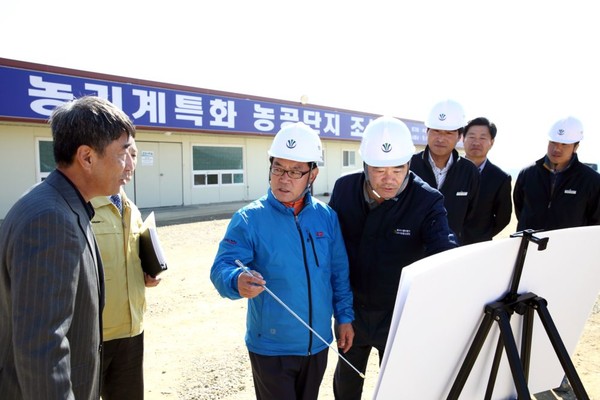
[[482, 121], [88, 120], [311, 164]]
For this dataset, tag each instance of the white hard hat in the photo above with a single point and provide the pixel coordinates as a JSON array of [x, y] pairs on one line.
[[567, 130], [386, 142], [447, 115], [297, 142]]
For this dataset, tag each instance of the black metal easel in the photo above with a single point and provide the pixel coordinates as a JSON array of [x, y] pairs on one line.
[[500, 311]]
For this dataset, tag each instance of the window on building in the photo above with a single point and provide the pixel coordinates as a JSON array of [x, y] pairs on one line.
[[45, 158], [349, 158], [217, 165]]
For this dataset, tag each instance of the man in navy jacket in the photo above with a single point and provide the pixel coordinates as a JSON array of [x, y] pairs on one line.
[[390, 218], [494, 204], [443, 168], [558, 191]]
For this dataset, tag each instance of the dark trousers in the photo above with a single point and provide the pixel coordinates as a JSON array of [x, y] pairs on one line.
[[122, 369], [370, 330], [288, 377], [347, 384]]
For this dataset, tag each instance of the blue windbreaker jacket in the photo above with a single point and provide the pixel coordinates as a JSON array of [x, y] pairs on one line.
[[303, 261]]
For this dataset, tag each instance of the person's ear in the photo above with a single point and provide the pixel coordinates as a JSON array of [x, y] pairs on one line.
[[85, 156], [313, 174]]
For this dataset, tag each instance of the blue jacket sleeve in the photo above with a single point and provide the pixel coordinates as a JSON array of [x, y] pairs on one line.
[[236, 245], [340, 277]]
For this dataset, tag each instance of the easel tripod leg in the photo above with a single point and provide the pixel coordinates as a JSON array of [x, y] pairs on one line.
[[512, 354], [494, 371], [471, 357], [526, 341], [541, 306]]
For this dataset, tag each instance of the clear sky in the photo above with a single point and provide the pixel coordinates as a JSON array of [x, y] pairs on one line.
[[523, 64]]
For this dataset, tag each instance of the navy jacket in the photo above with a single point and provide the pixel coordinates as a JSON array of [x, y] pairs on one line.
[[380, 242], [574, 201], [460, 189], [494, 205]]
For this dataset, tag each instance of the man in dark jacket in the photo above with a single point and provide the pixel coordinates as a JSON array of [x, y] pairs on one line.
[[494, 204], [441, 166], [558, 191], [389, 218], [51, 275]]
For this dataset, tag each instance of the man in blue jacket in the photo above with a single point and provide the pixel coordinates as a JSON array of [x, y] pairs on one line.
[[292, 242], [390, 218]]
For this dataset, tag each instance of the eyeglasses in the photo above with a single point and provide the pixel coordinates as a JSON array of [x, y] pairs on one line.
[[292, 174]]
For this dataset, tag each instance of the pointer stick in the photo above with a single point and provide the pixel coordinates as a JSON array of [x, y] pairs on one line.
[[247, 270]]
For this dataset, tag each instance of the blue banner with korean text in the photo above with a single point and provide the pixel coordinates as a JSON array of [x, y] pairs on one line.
[[31, 94]]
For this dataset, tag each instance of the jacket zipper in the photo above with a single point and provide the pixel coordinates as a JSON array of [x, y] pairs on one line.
[[310, 334], [553, 178], [312, 243]]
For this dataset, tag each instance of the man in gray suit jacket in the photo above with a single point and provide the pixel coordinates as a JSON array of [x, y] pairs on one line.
[[51, 278]]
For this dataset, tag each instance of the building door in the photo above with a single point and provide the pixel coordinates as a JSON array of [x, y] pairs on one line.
[[159, 175]]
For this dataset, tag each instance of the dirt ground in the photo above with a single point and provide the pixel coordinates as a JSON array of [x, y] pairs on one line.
[[194, 339]]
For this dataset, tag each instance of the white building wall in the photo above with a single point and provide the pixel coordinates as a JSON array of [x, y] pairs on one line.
[[257, 166], [18, 161]]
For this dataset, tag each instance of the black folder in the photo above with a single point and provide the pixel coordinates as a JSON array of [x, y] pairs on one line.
[[151, 253]]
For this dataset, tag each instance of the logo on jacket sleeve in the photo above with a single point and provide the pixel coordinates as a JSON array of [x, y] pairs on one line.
[[570, 191], [402, 232], [462, 194]]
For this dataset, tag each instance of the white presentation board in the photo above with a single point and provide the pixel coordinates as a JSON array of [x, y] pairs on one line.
[[440, 306]]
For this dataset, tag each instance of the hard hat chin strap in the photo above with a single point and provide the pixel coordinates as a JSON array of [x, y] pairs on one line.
[[372, 190], [308, 183], [368, 181]]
